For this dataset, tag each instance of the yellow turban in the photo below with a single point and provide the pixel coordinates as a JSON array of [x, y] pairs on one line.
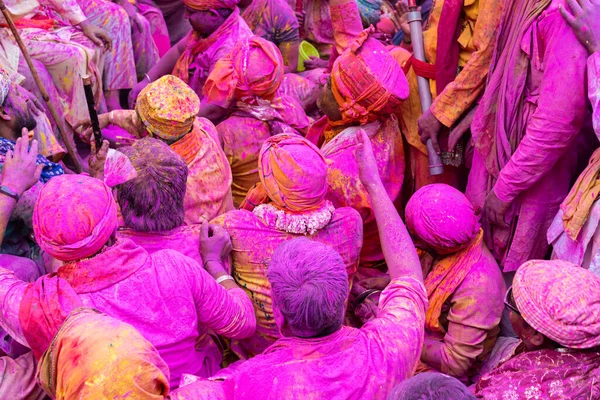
[[168, 107]]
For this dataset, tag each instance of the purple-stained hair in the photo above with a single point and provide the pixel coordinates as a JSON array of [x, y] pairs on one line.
[[431, 386], [309, 286], [153, 201]]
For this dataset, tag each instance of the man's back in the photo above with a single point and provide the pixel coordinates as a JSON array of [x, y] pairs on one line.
[[351, 363]]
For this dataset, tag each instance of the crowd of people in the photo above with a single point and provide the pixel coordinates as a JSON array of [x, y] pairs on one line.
[[262, 223]]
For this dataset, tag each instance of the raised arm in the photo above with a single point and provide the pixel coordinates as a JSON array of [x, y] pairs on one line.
[[398, 248], [19, 173]]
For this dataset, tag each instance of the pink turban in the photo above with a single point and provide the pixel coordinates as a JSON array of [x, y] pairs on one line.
[[252, 69], [74, 217], [366, 81], [561, 301], [293, 172], [442, 216], [205, 5]]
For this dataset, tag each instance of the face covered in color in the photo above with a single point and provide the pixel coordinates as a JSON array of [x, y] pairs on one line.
[[16, 112], [327, 104], [206, 22]]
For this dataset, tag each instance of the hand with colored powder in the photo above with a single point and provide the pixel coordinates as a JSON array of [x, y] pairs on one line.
[[367, 165], [584, 18], [20, 171], [215, 243], [97, 160]]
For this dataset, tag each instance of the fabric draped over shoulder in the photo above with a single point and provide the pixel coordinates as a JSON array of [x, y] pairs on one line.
[[96, 356], [578, 204], [252, 70], [560, 300], [293, 174], [366, 81], [196, 44], [74, 217], [168, 107]]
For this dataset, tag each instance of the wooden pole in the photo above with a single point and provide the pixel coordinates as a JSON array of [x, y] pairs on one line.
[[69, 142]]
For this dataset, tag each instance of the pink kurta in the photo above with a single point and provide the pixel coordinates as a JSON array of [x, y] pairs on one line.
[[538, 175], [255, 240], [351, 363], [166, 296], [346, 190], [470, 318], [184, 239]]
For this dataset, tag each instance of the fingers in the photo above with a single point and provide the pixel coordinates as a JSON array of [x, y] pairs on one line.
[[104, 148], [93, 146], [34, 148], [84, 124], [38, 172], [435, 144], [106, 40], [204, 230], [569, 18]]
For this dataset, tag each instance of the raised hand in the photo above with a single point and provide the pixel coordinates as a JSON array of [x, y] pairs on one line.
[[584, 18], [20, 170]]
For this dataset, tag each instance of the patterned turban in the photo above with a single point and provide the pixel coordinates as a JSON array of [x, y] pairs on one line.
[[560, 300], [168, 107]]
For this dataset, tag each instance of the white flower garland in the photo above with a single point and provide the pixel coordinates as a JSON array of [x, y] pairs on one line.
[[301, 224]]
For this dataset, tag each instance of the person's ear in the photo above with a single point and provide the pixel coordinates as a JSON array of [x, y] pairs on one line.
[[4, 114]]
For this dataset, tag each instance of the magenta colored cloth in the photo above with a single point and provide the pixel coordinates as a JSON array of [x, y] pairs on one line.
[[351, 363], [544, 374], [443, 217], [168, 297], [74, 217], [537, 176], [184, 239]]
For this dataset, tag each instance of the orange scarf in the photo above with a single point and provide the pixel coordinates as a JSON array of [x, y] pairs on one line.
[[196, 44], [188, 146], [446, 275], [576, 207]]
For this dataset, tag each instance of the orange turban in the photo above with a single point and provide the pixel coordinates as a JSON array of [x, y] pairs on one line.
[[293, 172], [205, 5], [252, 69], [366, 81], [168, 107]]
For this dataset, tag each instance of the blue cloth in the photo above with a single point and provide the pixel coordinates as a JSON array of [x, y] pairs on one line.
[[370, 11], [50, 169]]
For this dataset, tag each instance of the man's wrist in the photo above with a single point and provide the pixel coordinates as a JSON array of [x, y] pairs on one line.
[[215, 268], [9, 190]]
